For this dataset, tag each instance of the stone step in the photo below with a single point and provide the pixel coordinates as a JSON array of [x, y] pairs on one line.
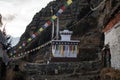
[[79, 67], [67, 77]]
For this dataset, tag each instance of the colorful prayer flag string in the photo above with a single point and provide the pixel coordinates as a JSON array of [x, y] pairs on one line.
[[48, 23]]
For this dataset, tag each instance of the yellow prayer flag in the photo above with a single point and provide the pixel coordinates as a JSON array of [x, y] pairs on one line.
[[69, 2], [28, 52], [54, 17], [29, 39], [20, 47], [41, 29]]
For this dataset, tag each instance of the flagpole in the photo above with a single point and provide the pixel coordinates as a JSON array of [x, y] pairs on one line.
[[52, 35], [52, 12], [52, 30], [57, 31]]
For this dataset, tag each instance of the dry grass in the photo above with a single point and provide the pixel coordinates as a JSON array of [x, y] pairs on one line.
[[110, 74], [10, 74]]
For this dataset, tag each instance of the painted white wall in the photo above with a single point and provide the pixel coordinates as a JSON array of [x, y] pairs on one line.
[[112, 37], [65, 37]]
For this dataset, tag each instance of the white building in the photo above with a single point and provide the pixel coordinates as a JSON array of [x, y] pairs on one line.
[[112, 37], [65, 48]]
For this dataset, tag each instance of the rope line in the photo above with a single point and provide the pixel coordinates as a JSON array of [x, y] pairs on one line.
[[32, 50], [81, 19], [47, 43], [94, 9], [41, 46]]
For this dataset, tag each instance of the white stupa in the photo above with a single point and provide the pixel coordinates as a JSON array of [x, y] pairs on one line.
[[65, 47]]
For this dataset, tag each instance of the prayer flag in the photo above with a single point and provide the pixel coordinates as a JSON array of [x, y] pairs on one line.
[[66, 4], [36, 33], [57, 14], [23, 44], [29, 39], [31, 50], [63, 8], [33, 35], [69, 2], [73, 48], [20, 47], [14, 51], [57, 47], [77, 50], [49, 22], [21, 54], [62, 50], [11, 54], [25, 52], [54, 17], [45, 25], [53, 46], [60, 11], [41, 29], [18, 55], [39, 47]]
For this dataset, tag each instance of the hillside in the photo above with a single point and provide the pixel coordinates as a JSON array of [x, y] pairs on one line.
[[87, 19], [86, 23]]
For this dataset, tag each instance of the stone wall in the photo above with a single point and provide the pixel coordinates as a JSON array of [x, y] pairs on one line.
[[58, 71]]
